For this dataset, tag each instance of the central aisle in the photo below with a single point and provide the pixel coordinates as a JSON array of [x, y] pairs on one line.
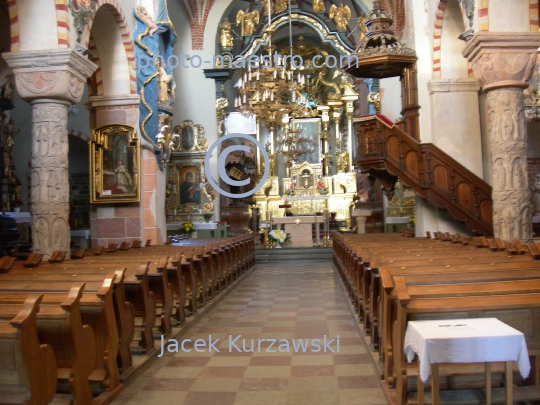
[[280, 301]]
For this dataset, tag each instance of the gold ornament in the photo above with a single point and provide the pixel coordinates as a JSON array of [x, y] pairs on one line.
[[341, 16]]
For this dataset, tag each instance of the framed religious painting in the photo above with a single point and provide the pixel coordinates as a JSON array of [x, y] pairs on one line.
[[115, 165], [185, 191]]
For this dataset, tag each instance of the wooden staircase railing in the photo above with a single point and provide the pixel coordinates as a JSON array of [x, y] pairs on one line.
[[386, 151]]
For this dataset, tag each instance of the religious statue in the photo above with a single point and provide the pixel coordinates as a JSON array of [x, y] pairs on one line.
[[143, 15], [375, 98], [318, 6], [163, 89], [225, 37], [281, 6], [271, 159], [342, 160], [341, 16], [536, 194], [8, 148], [248, 21], [42, 234], [7, 90], [361, 24], [82, 11]]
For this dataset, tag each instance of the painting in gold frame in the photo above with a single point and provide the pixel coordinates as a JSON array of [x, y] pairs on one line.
[[186, 186], [115, 165]]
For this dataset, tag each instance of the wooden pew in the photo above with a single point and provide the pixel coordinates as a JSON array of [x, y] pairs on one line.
[[21, 382], [97, 311], [74, 345]]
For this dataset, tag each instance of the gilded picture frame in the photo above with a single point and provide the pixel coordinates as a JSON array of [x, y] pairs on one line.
[[115, 165], [185, 189]]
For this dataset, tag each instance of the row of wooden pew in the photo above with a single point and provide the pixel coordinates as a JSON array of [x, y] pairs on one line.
[[69, 329], [393, 279]]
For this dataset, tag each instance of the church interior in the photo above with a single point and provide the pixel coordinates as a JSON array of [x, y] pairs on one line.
[[269, 202]]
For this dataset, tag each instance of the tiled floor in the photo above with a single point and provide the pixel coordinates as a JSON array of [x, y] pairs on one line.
[[284, 301]]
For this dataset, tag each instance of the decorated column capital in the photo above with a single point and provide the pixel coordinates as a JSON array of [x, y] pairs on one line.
[[57, 74], [503, 59]]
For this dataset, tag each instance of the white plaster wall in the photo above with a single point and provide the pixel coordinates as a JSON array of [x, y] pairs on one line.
[[22, 117], [456, 121], [453, 64], [486, 144], [509, 16], [423, 44], [112, 54], [37, 25], [391, 98], [429, 218]]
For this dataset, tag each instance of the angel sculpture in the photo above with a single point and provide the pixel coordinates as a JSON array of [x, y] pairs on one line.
[[318, 6], [248, 21], [143, 15], [361, 24], [341, 16], [281, 6]]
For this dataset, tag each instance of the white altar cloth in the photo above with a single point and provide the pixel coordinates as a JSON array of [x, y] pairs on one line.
[[308, 219], [465, 341], [396, 220]]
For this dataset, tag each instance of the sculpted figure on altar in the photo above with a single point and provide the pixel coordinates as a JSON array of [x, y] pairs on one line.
[[154, 39], [247, 21]]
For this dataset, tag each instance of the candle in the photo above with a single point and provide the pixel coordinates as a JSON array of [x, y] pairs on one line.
[[257, 75], [269, 14]]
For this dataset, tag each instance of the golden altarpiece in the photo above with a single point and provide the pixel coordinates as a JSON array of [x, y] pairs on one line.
[[282, 95], [189, 195]]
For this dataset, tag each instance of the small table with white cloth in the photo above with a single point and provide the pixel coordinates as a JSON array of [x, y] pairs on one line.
[[481, 340]]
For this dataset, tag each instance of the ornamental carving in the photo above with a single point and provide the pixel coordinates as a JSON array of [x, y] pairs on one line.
[[40, 82], [504, 69]]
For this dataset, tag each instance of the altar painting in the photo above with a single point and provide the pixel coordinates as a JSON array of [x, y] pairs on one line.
[[312, 129]]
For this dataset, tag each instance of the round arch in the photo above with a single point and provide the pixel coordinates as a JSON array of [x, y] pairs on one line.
[[110, 47]]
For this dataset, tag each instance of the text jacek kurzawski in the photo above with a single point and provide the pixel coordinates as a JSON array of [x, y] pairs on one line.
[[236, 343]]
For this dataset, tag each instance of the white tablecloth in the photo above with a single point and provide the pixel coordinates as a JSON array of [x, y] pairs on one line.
[[200, 226], [397, 220], [21, 216], [465, 341]]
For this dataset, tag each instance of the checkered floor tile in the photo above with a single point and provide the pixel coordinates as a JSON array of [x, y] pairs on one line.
[[278, 306]]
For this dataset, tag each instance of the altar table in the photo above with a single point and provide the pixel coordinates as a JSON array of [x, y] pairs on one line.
[[482, 340], [303, 236]]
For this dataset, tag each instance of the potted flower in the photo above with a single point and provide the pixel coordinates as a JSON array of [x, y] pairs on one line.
[[187, 227], [278, 238], [323, 190], [16, 204], [290, 191], [207, 217]]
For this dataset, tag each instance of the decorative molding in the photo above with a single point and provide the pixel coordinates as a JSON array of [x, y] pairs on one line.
[[113, 100], [55, 74], [62, 23], [453, 86]]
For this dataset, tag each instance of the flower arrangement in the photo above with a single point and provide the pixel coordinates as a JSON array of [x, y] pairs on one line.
[[412, 220], [278, 236], [17, 202], [207, 217], [187, 227], [322, 188], [290, 191]]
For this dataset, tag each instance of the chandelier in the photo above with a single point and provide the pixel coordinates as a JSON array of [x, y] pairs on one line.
[[290, 141], [271, 93], [274, 90]]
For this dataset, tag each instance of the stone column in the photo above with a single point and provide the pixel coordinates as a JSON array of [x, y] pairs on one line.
[[50, 81], [503, 63]]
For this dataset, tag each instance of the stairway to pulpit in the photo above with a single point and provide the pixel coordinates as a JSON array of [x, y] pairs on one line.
[[318, 254]]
